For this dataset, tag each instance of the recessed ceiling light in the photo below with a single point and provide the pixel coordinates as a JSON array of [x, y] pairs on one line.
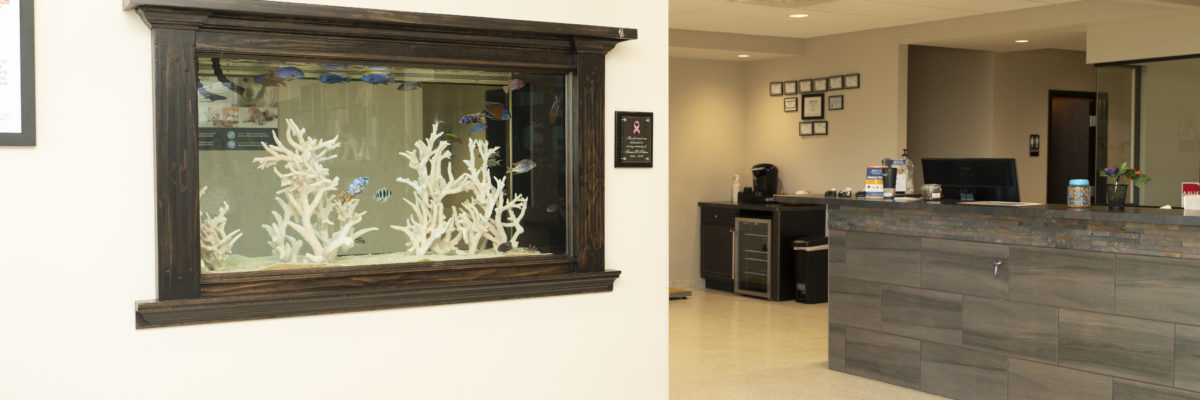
[[743, 56], [1022, 40], [797, 15]]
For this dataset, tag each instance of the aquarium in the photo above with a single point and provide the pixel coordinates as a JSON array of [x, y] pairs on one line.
[[322, 165]]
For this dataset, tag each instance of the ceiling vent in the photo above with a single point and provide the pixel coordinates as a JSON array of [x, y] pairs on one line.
[[793, 4]]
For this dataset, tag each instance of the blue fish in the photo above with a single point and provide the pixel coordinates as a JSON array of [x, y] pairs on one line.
[[377, 78], [333, 78], [287, 73], [495, 110], [209, 95], [469, 119], [522, 166], [477, 128], [356, 187], [406, 86]]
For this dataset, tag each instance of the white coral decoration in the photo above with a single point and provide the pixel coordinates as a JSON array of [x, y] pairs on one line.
[[308, 197], [487, 214], [215, 243], [428, 229]]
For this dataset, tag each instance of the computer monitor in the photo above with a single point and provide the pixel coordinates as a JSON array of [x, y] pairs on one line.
[[979, 179]]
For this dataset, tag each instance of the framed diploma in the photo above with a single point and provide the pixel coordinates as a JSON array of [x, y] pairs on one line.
[[789, 104], [851, 81], [835, 102], [835, 82], [806, 86], [776, 89], [806, 128], [820, 84], [789, 87], [821, 127], [16, 73], [813, 106]]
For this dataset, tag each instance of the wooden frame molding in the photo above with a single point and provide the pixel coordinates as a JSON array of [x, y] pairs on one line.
[[182, 31]]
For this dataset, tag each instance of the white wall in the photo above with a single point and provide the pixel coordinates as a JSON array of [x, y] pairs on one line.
[[77, 234], [708, 114]]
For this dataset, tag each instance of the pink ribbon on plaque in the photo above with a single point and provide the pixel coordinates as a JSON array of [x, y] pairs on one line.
[[637, 128]]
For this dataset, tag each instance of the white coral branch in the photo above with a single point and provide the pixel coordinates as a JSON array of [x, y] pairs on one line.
[[215, 243], [429, 229], [307, 198]]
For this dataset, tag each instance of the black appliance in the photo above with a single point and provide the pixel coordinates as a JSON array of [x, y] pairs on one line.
[[812, 269], [766, 184], [973, 179]]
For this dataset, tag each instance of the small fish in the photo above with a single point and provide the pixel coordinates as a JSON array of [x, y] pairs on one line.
[[452, 138], [495, 110], [356, 187], [376, 78], [360, 241], [479, 118], [493, 160], [477, 128], [209, 95], [554, 109], [289, 73], [513, 85], [504, 247], [521, 167], [553, 208], [382, 195], [269, 79], [333, 78], [406, 86]]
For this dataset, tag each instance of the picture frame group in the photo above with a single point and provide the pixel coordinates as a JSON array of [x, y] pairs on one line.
[[814, 128], [816, 85]]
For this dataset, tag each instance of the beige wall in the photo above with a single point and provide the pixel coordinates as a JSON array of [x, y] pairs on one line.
[[708, 124], [1023, 81], [1165, 35], [871, 126], [950, 109]]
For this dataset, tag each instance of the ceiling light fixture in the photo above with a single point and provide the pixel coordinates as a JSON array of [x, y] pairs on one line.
[[797, 15], [743, 56], [1022, 40]]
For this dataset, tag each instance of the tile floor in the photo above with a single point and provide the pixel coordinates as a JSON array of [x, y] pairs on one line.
[[726, 346]]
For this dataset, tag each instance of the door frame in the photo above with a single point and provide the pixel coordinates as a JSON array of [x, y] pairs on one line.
[[1095, 144]]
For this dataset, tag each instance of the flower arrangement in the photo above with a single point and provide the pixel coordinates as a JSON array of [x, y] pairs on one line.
[[1137, 177]]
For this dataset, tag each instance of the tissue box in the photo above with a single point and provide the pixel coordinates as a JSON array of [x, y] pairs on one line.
[[1190, 192]]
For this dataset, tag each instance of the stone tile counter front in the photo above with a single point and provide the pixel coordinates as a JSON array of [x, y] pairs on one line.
[[993, 302]]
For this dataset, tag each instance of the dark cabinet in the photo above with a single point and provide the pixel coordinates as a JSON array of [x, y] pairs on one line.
[[786, 223], [716, 248]]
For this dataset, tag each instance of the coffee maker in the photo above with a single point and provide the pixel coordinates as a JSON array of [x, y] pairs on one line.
[[766, 183]]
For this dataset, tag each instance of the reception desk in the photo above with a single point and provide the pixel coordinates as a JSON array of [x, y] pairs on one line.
[[992, 302]]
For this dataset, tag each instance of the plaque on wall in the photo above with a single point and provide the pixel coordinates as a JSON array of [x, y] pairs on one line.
[[635, 139], [16, 73]]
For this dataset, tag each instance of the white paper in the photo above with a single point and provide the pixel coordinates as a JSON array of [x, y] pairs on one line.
[[10, 66]]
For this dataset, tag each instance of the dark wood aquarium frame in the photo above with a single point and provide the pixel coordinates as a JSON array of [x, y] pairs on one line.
[[184, 30]]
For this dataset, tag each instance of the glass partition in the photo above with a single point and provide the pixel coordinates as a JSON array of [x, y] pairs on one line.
[[1153, 121]]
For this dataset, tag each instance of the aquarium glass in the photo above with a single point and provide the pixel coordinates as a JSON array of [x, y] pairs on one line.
[[489, 182]]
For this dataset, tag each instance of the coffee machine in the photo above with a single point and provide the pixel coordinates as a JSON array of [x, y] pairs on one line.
[[766, 184]]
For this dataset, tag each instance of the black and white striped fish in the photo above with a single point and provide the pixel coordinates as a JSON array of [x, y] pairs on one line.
[[383, 195]]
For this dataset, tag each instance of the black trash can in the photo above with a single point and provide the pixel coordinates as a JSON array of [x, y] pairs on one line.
[[812, 269]]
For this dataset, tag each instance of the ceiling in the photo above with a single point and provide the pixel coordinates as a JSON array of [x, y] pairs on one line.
[[722, 29], [827, 17]]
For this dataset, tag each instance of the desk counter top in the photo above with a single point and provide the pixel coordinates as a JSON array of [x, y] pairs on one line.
[[1131, 214]]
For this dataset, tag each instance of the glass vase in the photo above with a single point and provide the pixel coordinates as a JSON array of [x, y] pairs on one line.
[[1116, 196]]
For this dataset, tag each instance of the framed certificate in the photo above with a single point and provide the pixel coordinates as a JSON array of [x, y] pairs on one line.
[[777, 88], [790, 104], [805, 86], [820, 127], [806, 128], [820, 84], [813, 106], [789, 87], [835, 102], [850, 81], [835, 82], [16, 73]]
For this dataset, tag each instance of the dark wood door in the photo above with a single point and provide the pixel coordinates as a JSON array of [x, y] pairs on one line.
[[716, 251], [1071, 142]]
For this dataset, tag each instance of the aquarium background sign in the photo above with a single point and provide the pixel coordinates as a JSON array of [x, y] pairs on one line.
[[16, 73], [635, 139]]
